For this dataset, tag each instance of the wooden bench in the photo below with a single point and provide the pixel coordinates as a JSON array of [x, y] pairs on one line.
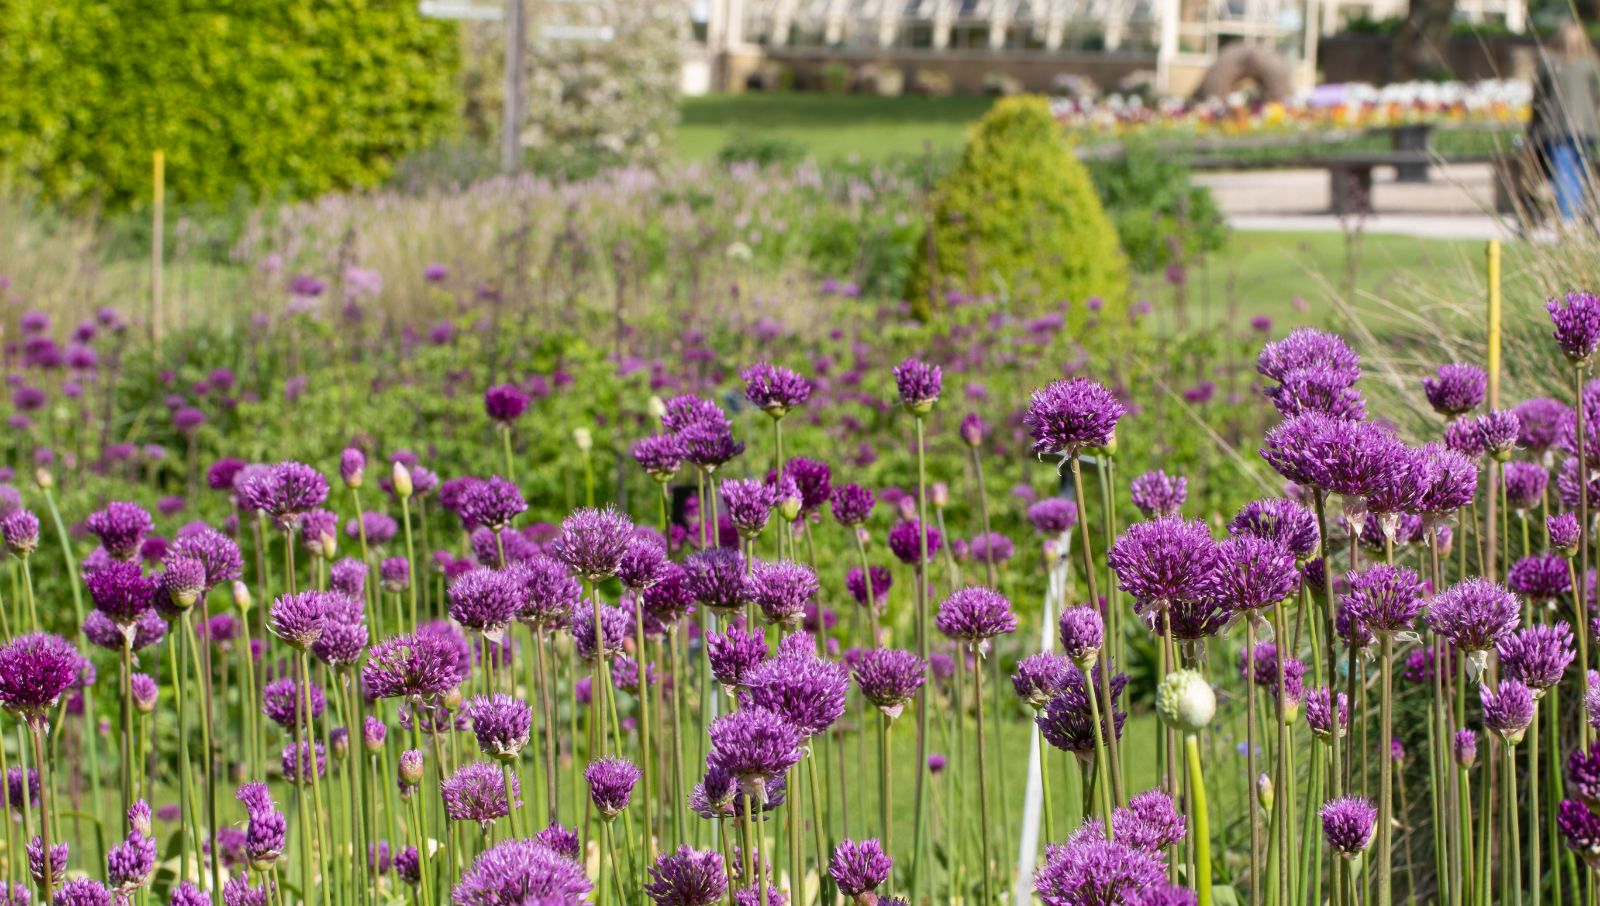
[[1349, 175]]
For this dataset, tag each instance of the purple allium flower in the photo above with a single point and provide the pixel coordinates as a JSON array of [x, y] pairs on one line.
[[144, 692], [1082, 632], [352, 466], [1580, 827], [1462, 436], [688, 877], [882, 581], [611, 782], [592, 542], [1039, 677], [121, 591], [121, 528], [1348, 824], [414, 667], [1583, 774], [180, 584], [607, 641], [908, 536], [813, 478], [1564, 533], [773, 389], [35, 669], [1524, 484], [1252, 573], [1497, 432], [717, 578], [477, 792], [1569, 489], [919, 384], [668, 600], [1158, 494], [185, 894], [1577, 325], [148, 629], [1456, 388], [285, 492], [1053, 516], [520, 871], [1541, 578], [733, 653], [407, 866], [20, 529], [348, 577], [58, 860], [754, 745], [297, 619], [1064, 417], [281, 701], [1474, 614], [505, 403], [266, 833], [131, 863], [851, 503], [1542, 420], [1507, 710], [1317, 388], [1162, 824], [806, 690], [486, 600], [501, 723], [1385, 598], [89, 892], [1464, 747], [660, 455], [220, 476], [975, 615], [492, 503], [14, 789], [564, 840], [549, 593], [1536, 655], [1308, 347], [1164, 560], [394, 574], [1067, 721], [1353, 459], [296, 760], [1320, 713], [709, 445], [991, 548], [749, 504], [889, 678], [751, 896], [1093, 870], [782, 590], [859, 867], [219, 554], [1448, 480], [1280, 520]]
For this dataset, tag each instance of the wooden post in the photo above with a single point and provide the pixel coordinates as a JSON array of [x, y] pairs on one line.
[[158, 166], [511, 112]]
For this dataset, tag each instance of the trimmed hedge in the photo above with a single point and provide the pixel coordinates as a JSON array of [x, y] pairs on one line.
[[265, 98], [1020, 217]]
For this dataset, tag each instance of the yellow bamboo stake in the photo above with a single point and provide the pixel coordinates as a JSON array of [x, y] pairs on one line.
[[1492, 252], [158, 167]]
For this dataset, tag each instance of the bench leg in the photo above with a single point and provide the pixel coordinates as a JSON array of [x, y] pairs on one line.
[[1350, 189], [1411, 138]]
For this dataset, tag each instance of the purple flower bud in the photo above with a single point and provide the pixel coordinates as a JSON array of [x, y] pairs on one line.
[[1464, 748], [1157, 494], [1577, 325], [1348, 824], [611, 782], [859, 868], [919, 385], [687, 877]]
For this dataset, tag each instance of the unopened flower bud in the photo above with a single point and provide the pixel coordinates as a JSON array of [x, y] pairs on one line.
[[939, 494], [1264, 791], [402, 481], [339, 739], [411, 767], [1186, 701], [373, 732], [452, 699], [241, 596], [1465, 748], [44, 479], [656, 407], [583, 439]]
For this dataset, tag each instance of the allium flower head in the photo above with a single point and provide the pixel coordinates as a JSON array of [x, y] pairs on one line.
[[282, 698], [1464, 747], [89, 892], [1280, 520], [486, 600], [549, 592], [185, 894], [1320, 713], [121, 591], [286, 492], [505, 403], [592, 542], [297, 618], [148, 629], [1525, 484], [1065, 417], [919, 384], [859, 867], [889, 678], [348, 577], [1463, 436], [773, 389], [20, 529], [1507, 710], [1317, 388], [907, 538], [1039, 677], [36, 859], [660, 455], [1541, 578], [687, 877], [709, 445], [1164, 560], [975, 615], [520, 871], [754, 745], [1353, 459], [851, 503], [477, 792], [1185, 700], [1082, 633], [882, 581], [1456, 388], [1580, 827], [1067, 720], [562, 839], [611, 782], [35, 669], [1497, 432], [733, 653], [492, 503], [782, 590], [352, 467], [1158, 494], [1583, 774], [297, 761], [121, 528], [1474, 614], [1577, 325], [1386, 599], [1542, 420], [1093, 870], [1348, 824], [130, 863], [808, 691], [1252, 573], [1305, 348], [219, 553], [501, 724], [607, 642], [415, 666], [1564, 533], [1448, 480], [1053, 516], [749, 505]]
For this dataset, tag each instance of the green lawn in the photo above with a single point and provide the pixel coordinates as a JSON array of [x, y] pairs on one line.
[[830, 127]]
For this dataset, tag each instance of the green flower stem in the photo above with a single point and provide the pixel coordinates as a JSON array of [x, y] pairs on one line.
[[1102, 773], [47, 883], [1511, 869], [1284, 801], [1201, 821], [417, 576], [505, 449], [1535, 857], [885, 783], [922, 868], [202, 662], [646, 761], [1384, 878], [1253, 803], [822, 838], [682, 783], [1094, 595], [1310, 872]]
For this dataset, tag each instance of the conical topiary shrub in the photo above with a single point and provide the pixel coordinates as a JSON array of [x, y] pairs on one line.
[[1020, 217]]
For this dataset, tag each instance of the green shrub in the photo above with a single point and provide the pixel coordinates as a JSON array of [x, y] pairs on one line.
[[279, 97], [760, 148], [1020, 217], [1154, 203]]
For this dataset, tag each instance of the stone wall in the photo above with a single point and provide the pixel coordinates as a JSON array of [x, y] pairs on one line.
[[1365, 58], [968, 70]]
